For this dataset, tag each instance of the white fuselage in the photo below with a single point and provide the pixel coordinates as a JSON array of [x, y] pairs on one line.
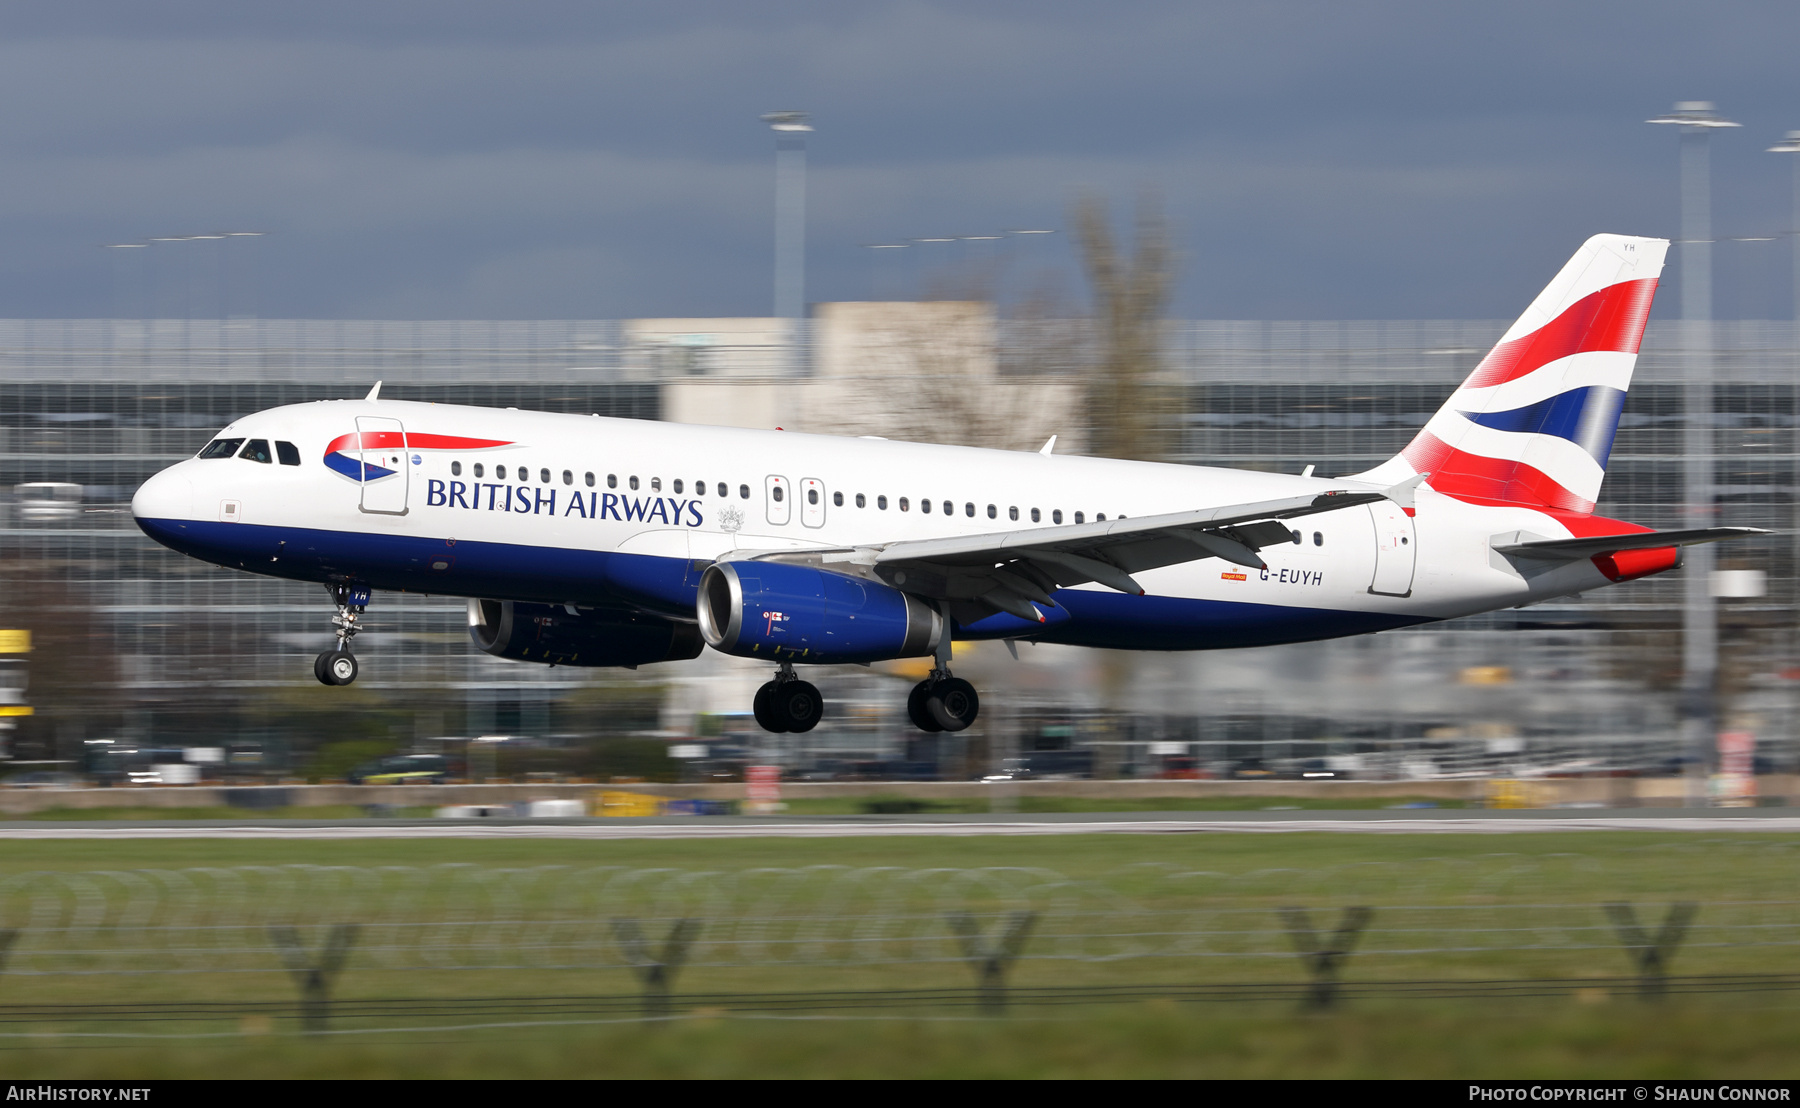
[[594, 510]]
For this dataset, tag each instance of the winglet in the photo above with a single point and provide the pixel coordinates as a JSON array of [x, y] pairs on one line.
[[374, 393], [1048, 447]]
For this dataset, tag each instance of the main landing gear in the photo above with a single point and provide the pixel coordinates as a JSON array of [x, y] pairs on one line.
[[338, 667], [788, 703], [942, 702]]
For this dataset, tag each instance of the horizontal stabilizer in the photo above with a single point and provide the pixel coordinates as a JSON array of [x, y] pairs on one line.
[[1573, 550]]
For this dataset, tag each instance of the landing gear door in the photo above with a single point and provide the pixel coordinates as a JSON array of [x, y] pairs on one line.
[[382, 442], [1396, 550], [780, 499]]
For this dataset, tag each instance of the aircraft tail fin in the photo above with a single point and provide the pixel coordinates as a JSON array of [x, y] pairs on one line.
[[1534, 423]]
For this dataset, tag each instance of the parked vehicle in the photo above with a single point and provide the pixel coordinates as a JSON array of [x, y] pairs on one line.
[[402, 769]]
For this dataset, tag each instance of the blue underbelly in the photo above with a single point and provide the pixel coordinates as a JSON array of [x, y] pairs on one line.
[[556, 575]]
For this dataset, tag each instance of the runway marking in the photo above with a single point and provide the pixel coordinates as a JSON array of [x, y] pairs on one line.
[[460, 830]]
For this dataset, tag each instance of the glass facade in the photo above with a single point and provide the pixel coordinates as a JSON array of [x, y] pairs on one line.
[[137, 643]]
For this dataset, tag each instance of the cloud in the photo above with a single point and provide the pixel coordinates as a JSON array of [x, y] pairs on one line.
[[1386, 159]]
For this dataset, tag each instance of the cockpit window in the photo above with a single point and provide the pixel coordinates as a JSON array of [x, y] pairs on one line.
[[257, 450], [221, 448], [288, 453]]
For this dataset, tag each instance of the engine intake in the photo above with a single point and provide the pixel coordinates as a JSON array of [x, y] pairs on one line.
[[778, 610], [547, 633]]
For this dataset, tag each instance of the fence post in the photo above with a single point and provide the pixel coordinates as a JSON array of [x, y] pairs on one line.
[[992, 955], [315, 978], [1652, 955], [655, 972], [1324, 959]]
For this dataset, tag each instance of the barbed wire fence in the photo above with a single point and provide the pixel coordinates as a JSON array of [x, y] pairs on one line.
[[350, 948]]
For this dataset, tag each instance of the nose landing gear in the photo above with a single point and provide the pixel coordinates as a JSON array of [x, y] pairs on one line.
[[338, 667], [788, 704]]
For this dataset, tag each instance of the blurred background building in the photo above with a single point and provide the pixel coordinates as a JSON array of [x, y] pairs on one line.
[[137, 647]]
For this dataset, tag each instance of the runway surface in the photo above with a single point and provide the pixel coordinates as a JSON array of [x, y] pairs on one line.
[[1426, 822]]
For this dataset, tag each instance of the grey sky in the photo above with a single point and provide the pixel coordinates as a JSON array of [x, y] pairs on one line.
[[443, 160]]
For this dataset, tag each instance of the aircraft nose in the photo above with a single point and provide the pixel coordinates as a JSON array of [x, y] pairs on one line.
[[168, 495]]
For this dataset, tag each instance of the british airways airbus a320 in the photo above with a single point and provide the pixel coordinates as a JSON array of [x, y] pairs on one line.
[[586, 541]]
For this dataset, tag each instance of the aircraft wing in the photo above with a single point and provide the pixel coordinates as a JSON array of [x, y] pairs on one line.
[[1011, 570], [1573, 550]]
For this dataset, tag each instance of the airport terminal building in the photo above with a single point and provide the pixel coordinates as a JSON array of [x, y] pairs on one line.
[[135, 645]]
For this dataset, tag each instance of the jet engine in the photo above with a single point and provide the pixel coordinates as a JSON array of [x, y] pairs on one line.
[[548, 633], [789, 612]]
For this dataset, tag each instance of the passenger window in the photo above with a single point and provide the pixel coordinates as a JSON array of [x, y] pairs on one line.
[[677, 486], [1035, 518], [837, 500], [633, 483], [993, 513], [478, 469], [924, 506], [544, 476], [590, 480], [903, 503], [499, 473], [456, 469], [525, 474], [1079, 518], [612, 480], [655, 484], [881, 503], [221, 448], [1056, 516], [812, 496], [568, 478], [775, 492], [289, 454], [1296, 535], [1318, 538], [1100, 517], [860, 502], [969, 510], [1012, 513], [257, 450], [743, 492], [949, 508]]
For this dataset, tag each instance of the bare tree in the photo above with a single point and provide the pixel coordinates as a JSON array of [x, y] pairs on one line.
[[1127, 409], [929, 372]]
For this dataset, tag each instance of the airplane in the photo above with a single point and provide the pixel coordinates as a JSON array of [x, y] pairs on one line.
[[591, 541]]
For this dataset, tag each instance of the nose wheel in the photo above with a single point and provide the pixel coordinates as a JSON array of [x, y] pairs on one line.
[[338, 667], [788, 704]]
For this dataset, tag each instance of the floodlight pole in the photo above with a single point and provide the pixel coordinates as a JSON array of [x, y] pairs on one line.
[[1791, 145], [1700, 625], [790, 130]]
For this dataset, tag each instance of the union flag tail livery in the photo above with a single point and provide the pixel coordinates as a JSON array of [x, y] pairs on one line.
[[1534, 422], [614, 542]]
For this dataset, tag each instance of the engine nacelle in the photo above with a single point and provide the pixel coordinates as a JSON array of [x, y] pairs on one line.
[[778, 610], [547, 633]]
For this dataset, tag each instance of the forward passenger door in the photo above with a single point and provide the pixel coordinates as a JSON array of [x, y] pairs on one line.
[[382, 442]]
